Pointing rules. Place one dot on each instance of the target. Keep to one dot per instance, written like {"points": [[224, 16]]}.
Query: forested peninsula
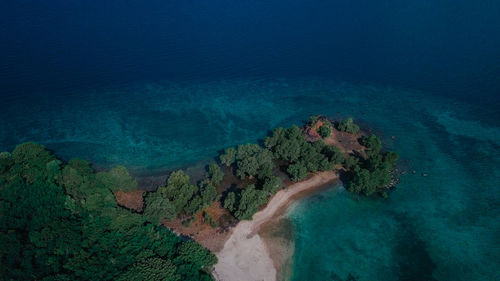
{"points": [[65, 221]]}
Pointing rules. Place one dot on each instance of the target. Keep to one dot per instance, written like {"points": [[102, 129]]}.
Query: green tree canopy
{"points": [[117, 179], [373, 145], [158, 208], [230, 201], [297, 171], [214, 173], [251, 200], [348, 126], [229, 156], [333, 154], [61, 222], [325, 131], [253, 160], [272, 185], [208, 192], [30, 161], [151, 269], [178, 190]]}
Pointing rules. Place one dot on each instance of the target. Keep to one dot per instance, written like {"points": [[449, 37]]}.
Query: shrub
{"points": [[117, 179], [158, 208], [228, 157], [313, 119], [324, 131], [214, 173], [207, 218], [253, 160], [187, 222], [297, 171], [272, 185], [333, 154], [208, 193], [230, 201], [348, 126], [350, 162], [250, 201]]}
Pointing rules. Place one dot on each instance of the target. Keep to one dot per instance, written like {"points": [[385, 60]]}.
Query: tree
{"points": [[324, 131], [348, 126], [253, 160], [230, 201], [350, 162], [178, 190], [297, 171], [272, 185], [291, 146], [158, 208], [361, 182], [151, 269], [250, 201], [313, 119], [373, 145], [391, 157], [207, 218], [5, 161], [194, 253], [333, 154], [30, 160], [194, 205], [310, 158], [208, 193], [117, 179], [228, 157], [373, 174], [286, 144], [214, 173], [60, 222]]}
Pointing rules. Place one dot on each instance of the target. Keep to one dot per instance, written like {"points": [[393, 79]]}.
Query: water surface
{"points": [[160, 85]]}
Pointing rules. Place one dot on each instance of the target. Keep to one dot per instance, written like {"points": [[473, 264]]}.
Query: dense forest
{"points": [[60, 221]]}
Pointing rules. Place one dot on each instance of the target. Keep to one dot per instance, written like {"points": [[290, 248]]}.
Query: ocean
{"points": [[162, 85]]}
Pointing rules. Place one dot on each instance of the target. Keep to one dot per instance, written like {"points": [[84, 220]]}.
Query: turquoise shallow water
{"points": [[86, 79], [440, 227], [444, 226]]}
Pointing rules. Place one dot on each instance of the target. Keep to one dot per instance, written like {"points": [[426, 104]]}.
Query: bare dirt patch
{"points": [[213, 238], [131, 199]]}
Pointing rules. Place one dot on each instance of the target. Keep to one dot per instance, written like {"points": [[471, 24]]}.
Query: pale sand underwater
{"points": [[245, 256]]}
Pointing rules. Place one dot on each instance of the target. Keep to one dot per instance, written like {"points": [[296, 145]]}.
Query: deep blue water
{"points": [[163, 84]]}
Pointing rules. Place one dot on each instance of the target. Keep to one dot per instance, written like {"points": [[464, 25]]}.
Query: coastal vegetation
{"points": [[348, 126], [287, 150], [214, 173], [60, 221], [373, 173]]}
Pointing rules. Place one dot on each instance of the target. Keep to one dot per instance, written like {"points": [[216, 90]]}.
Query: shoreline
{"points": [[245, 256]]}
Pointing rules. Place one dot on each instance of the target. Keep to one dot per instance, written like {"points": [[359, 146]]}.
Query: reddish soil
{"points": [[131, 199], [348, 143], [213, 238]]}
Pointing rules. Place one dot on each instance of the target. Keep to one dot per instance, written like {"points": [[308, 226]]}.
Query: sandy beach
{"points": [[245, 256]]}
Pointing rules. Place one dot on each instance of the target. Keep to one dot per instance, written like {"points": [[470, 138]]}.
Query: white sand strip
{"points": [[245, 256]]}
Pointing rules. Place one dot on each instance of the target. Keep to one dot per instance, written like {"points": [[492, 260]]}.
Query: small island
{"points": [[66, 221]]}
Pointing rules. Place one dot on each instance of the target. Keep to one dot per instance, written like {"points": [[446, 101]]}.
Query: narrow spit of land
{"points": [[245, 256], [245, 249]]}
